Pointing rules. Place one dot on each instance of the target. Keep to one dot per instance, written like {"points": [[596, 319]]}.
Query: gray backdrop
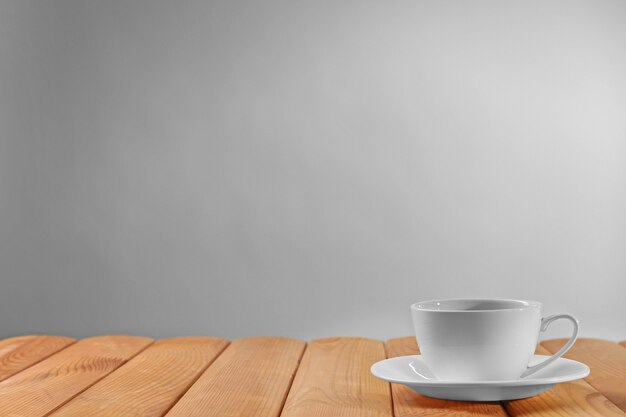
{"points": [[308, 168]]}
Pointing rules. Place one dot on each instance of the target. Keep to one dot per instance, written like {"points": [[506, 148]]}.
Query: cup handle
{"points": [[545, 322]]}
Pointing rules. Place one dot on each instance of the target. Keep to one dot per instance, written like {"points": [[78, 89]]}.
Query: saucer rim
{"points": [[584, 371]]}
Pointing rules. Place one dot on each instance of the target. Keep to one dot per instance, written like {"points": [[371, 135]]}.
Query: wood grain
{"points": [[607, 361], [334, 379], [43, 387], [408, 403], [18, 353], [576, 398], [149, 384], [250, 378]]}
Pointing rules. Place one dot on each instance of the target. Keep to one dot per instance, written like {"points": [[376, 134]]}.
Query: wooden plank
{"points": [[250, 378], [149, 384], [408, 403], [18, 353], [576, 398], [607, 361], [43, 387], [334, 379]]}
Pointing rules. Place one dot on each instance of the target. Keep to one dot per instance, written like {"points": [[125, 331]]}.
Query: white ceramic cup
{"points": [[482, 339]]}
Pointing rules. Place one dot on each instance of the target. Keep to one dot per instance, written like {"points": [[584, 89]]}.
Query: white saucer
{"points": [[412, 372]]}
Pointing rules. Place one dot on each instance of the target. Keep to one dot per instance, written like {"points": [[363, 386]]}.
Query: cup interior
{"points": [[474, 305]]}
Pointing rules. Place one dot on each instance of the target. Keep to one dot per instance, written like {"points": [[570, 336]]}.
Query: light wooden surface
{"points": [[131, 376], [150, 383], [251, 378], [18, 353], [334, 380], [408, 403], [576, 398], [607, 361], [43, 387]]}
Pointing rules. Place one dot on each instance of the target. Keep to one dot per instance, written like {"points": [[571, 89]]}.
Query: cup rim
{"points": [[522, 305]]}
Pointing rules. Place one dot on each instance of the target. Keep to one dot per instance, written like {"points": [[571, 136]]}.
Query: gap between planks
{"points": [[159, 376], [334, 379], [47, 385], [607, 361], [22, 352], [251, 377], [575, 398]]}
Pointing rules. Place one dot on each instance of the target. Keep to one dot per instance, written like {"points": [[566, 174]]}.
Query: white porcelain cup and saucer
{"points": [[481, 350]]}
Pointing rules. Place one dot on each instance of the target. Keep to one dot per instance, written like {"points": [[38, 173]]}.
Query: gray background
{"points": [[308, 168]]}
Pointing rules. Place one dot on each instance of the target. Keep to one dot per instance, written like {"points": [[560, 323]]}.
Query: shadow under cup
{"points": [[477, 340]]}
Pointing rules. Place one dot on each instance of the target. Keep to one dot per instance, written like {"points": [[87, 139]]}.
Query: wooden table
{"points": [[263, 377]]}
